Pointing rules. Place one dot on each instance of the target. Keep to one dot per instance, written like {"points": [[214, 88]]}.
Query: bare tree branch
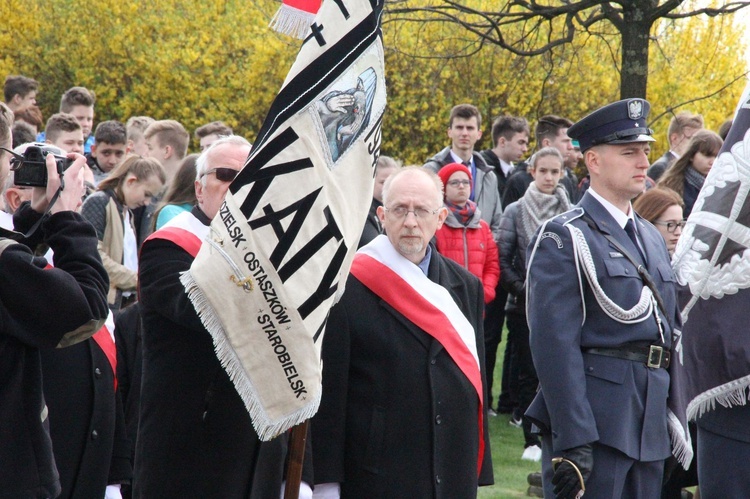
{"points": [[543, 27], [672, 109]]}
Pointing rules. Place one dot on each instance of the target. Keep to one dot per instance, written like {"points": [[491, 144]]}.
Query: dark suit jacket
{"points": [[87, 424], [39, 309], [129, 335], [372, 227], [520, 180], [657, 169], [492, 160], [587, 398], [397, 417]]}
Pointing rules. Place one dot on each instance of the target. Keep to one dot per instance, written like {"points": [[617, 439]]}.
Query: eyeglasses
{"points": [[223, 173], [672, 226], [457, 183], [402, 212]]}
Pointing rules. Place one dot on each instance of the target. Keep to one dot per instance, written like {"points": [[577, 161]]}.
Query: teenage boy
{"points": [[79, 102], [20, 92], [64, 131], [136, 127], [210, 133], [166, 141], [464, 130], [109, 149]]}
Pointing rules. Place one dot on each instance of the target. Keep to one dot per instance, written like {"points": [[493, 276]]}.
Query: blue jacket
{"points": [[586, 398]]}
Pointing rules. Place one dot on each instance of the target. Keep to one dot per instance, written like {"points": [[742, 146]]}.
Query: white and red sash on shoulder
{"points": [[427, 305], [185, 230]]}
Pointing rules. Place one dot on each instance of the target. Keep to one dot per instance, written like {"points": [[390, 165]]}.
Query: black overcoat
{"points": [[397, 417], [87, 423], [41, 308]]}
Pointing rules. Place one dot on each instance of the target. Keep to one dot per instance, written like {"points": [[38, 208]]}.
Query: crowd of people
{"points": [[138, 405]]}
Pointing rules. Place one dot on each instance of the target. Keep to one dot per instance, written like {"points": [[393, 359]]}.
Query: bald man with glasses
{"points": [[403, 411]]}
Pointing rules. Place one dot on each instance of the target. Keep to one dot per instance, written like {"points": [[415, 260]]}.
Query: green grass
{"points": [[507, 446], [510, 470]]}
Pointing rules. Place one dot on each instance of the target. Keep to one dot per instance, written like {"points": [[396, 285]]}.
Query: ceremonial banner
{"points": [[279, 250], [712, 264]]}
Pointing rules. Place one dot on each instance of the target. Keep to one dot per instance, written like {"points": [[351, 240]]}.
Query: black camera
{"points": [[30, 170]]}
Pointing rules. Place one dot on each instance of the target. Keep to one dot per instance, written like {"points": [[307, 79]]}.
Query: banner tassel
{"points": [[232, 365], [734, 393], [682, 446], [294, 17]]}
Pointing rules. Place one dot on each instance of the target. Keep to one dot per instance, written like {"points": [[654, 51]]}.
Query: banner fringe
{"points": [[682, 445], [264, 427], [291, 21], [729, 394]]}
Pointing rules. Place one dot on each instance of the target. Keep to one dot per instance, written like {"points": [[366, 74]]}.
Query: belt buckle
{"points": [[655, 354]]}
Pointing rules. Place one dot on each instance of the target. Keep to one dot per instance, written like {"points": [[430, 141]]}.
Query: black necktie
{"points": [[630, 229], [467, 164]]}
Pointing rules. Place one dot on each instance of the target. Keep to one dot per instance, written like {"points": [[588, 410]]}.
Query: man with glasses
{"points": [[403, 409], [195, 437]]}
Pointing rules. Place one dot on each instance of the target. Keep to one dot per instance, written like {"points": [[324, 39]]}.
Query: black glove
{"points": [[571, 472], [519, 289]]}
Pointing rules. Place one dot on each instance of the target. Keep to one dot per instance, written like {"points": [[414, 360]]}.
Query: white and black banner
{"points": [[711, 358], [279, 251]]}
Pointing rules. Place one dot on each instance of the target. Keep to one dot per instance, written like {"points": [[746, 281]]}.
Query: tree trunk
{"points": [[635, 31]]}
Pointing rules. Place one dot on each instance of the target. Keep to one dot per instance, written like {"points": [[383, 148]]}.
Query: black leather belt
{"points": [[653, 356]]}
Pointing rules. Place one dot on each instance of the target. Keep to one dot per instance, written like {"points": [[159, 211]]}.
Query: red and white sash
{"points": [[105, 338], [185, 230], [425, 303]]}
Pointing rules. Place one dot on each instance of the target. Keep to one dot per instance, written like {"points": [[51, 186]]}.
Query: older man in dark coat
{"points": [[195, 437], [402, 411]]}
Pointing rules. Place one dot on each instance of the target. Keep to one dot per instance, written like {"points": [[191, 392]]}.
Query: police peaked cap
{"points": [[621, 122]]}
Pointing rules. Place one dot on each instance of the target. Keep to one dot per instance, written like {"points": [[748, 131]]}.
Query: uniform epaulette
{"points": [[569, 216]]}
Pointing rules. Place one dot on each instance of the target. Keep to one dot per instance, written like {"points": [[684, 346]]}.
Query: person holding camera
{"points": [[42, 308]]}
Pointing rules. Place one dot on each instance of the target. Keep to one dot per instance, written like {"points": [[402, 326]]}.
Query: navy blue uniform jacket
{"points": [[588, 398]]}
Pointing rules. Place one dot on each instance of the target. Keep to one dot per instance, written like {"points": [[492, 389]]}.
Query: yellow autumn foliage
{"points": [[202, 61]]}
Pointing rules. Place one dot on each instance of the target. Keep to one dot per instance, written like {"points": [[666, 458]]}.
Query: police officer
{"points": [[601, 309]]}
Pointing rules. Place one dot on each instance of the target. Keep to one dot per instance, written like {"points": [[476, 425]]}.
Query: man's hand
{"points": [[70, 198], [571, 472]]}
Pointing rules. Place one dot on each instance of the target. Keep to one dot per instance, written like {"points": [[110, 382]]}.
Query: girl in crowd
{"points": [[464, 237], [181, 193], [687, 174], [131, 184], [544, 199], [663, 207]]}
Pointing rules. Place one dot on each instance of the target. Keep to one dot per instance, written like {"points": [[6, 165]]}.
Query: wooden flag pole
{"points": [[296, 459]]}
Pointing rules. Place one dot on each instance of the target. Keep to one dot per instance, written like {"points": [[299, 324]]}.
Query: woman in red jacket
{"points": [[464, 237]]}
